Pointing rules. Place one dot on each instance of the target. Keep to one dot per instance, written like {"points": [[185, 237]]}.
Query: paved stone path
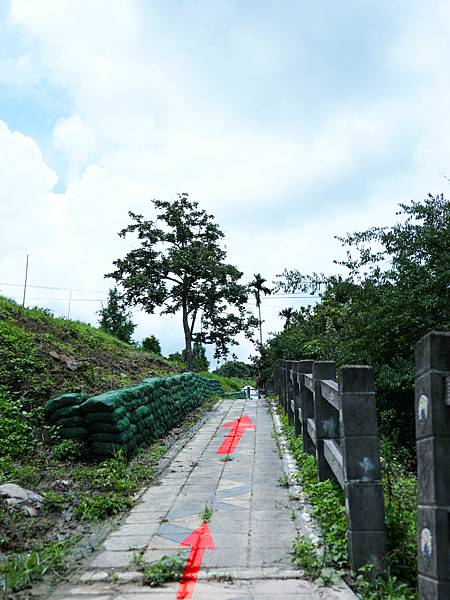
{"points": [[251, 523]]}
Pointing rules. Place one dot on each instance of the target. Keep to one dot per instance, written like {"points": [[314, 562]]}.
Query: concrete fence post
{"points": [[326, 417], [302, 366], [290, 396], [363, 491], [432, 403]]}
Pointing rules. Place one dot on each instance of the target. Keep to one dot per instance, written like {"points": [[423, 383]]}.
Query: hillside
{"points": [[42, 356]]}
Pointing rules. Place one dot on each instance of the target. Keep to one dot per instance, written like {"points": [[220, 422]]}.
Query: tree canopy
{"points": [[180, 267], [396, 290], [151, 344]]}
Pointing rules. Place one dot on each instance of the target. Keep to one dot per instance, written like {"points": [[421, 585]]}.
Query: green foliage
{"points": [[396, 290], [114, 319], [307, 556], [180, 266], [237, 369], [372, 586], [229, 384], [326, 498], [19, 571], [97, 508], [168, 568], [151, 344], [200, 362], [206, 514], [283, 480], [68, 450], [16, 431], [52, 502], [20, 365]]}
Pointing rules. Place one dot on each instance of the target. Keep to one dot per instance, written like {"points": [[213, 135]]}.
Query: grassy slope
{"points": [[40, 357]]}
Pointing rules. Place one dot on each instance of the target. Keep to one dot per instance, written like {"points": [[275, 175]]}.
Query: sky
{"points": [[291, 121]]}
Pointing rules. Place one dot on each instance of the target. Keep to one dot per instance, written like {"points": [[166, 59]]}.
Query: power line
{"points": [[62, 299], [59, 289]]}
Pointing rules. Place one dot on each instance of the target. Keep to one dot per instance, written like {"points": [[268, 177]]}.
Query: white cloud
{"points": [[145, 122], [76, 139]]}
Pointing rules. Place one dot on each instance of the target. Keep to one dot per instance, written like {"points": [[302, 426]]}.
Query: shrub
{"points": [[151, 344]]}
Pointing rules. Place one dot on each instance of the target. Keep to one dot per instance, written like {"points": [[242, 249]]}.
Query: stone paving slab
{"points": [[251, 524]]}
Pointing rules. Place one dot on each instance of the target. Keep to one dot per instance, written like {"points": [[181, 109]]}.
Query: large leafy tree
{"points": [[180, 267], [115, 319], [396, 290]]}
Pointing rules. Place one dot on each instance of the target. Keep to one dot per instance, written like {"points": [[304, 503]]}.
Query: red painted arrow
{"points": [[238, 428], [199, 540]]}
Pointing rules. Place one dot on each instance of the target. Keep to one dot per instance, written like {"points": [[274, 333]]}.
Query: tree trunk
{"points": [[260, 325], [187, 340]]}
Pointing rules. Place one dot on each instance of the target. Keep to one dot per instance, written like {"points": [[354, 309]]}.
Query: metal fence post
{"points": [[432, 393], [363, 491], [326, 417]]}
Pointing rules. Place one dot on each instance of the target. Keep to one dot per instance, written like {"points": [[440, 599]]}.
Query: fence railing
{"points": [[338, 424], [433, 464]]}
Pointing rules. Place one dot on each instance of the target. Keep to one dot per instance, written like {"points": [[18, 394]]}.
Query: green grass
{"points": [[20, 570], [229, 384], [168, 568]]}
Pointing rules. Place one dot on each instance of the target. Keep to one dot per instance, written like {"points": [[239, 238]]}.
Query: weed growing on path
{"points": [[206, 514], [315, 565], [226, 458], [168, 568], [283, 480]]}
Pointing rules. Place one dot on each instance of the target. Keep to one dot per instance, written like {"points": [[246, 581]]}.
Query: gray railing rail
{"points": [[338, 424], [432, 393]]}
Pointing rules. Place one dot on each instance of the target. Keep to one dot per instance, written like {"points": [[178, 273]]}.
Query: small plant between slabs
{"points": [[226, 458], [283, 480], [315, 567], [206, 514], [167, 568]]}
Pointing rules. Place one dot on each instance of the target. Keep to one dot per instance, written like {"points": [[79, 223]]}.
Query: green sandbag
{"points": [[64, 413], [142, 412], [116, 427], [74, 433], [106, 417], [106, 449], [71, 422], [62, 401], [107, 402], [117, 438]]}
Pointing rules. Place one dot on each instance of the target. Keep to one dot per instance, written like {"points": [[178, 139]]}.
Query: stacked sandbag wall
{"points": [[128, 417], [65, 413]]}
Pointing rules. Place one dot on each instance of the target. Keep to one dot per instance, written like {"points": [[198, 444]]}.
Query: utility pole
{"points": [[25, 284], [70, 302]]}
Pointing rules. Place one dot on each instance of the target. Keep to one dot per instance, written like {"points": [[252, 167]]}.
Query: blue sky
{"points": [[292, 122]]}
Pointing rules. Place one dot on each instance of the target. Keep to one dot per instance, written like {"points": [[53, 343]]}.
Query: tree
{"points": [[180, 267], [236, 368], [151, 344], [396, 291], [287, 313], [200, 362], [257, 286], [114, 319]]}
